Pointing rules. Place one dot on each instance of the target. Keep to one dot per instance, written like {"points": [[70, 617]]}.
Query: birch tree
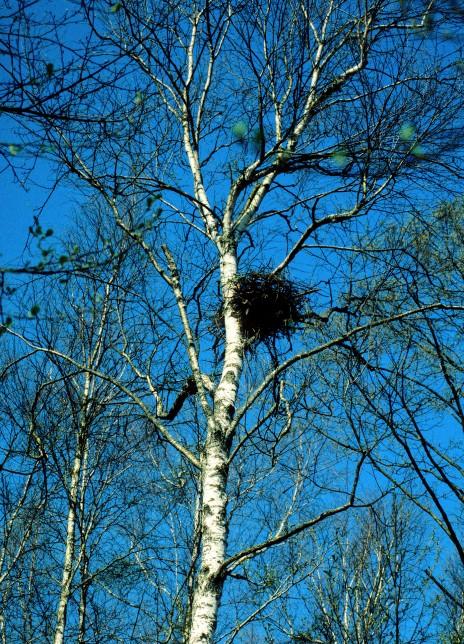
{"points": [[237, 147], [24, 490], [85, 546], [453, 622], [374, 588]]}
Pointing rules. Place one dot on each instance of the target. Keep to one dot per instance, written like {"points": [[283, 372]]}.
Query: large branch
{"points": [[253, 551], [304, 355]]}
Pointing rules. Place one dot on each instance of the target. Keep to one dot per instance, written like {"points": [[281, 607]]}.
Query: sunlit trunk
{"points": [[209, 585], [85, 584], [208, 589], [84, 558], [68, 563]]}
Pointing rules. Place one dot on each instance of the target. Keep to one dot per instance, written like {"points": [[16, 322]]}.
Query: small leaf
{"points": [[340, 158], [34, 311], [14, 149], [47, 148], [50, 69], [407, 131], [49, 232], [429, 22], [116, 7], [139, 98], [240, 130], [35, 231], [418, 151]]}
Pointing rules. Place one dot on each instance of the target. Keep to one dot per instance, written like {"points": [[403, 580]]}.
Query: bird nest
{"points": [[267, 306]]}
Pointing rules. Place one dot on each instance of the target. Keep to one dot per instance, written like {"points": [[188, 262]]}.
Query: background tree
{"points": [[257, 162], [453, 622], [372, 586]]}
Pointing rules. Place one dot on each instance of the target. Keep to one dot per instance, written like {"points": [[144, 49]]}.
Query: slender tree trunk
{"points": [[84, 559], [28, 599], [85, 584], [208, 589], [68, 563], [209, 584], [2, 627], [69, 555]]}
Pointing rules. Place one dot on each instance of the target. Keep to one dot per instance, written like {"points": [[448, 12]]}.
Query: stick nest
{"points": [[268, 306]]}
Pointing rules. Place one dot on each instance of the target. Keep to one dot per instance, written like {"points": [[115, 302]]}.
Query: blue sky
{"points": [[19, 205]]}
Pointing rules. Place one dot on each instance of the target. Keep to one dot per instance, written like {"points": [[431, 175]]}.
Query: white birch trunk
{"points": [[2, 628], [73, 496], [208, 588], [68, 562], [84, 560], [83, 600]]}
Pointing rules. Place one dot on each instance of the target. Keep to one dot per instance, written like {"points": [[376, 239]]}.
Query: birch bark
{"points": [[67, 575], [68, 563], [73, 496], [214, 474]]}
